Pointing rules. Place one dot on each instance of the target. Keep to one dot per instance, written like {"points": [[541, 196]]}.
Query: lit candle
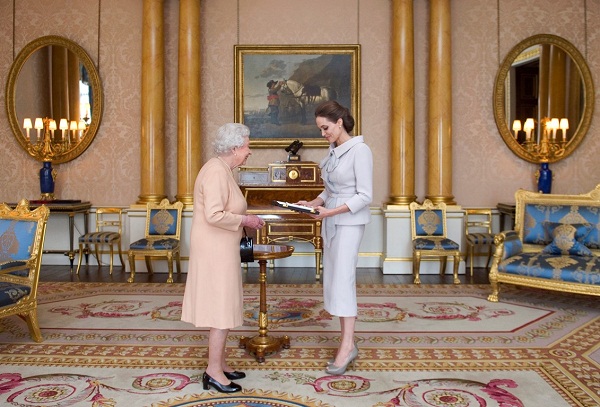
{"points": [[516, 128], [528, 126], [564, 126], [38, 125], [81, 126], [554, 127], [27, 125], [73, 128], [63, 125], [52, 127]]}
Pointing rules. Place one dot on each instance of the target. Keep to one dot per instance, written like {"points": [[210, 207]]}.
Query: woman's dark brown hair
{"points": [[332, 111]]}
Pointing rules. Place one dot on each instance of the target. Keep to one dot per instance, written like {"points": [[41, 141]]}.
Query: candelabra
{"points": [[48, 146], [546, 147]]}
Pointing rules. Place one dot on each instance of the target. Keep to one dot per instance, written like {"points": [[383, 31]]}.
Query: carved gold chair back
{"points": [[22, 233], [163, 229], [428, 230]]}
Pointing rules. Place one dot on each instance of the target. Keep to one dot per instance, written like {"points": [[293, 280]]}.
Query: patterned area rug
{"points": [[118, 344]]}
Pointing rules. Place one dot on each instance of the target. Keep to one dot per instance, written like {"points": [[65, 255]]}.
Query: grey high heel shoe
{"points": [[332, 360], [340, 370]]}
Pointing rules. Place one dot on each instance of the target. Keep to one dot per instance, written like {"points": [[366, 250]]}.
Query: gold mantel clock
{"points": [[299, 172]]}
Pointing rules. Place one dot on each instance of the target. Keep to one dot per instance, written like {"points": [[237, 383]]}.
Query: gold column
{"points": [[74, 94], [576, 96], [60, 83], [543, 87], [188, 102], [439, 180], [558, 78], [153, 104], [402, 159]]}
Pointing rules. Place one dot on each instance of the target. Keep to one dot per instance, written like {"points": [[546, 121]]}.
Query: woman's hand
{"points": [[323, 212], [327, 212], [253, 222]]}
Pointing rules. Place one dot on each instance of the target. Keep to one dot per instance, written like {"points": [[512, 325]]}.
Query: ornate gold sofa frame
{"points": [[22, 235], [555, 244]]}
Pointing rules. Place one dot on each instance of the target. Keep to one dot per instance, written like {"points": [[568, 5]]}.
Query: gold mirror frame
{"points": [[11, 97], [500, 96]]}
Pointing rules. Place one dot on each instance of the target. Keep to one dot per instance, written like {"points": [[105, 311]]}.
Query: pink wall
{"points": [[485, 171]]}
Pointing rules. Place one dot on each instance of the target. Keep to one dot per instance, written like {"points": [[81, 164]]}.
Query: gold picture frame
{"points": [[301, 76]]}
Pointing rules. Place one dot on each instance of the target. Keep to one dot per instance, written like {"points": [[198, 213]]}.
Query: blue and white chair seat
{"points": [[424, 243], [155, 244], [11, 293]]}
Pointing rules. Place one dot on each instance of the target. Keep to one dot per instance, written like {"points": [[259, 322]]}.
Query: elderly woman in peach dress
{"points": [[213, 295]]}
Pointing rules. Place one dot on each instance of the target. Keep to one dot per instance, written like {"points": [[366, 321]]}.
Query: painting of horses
{"points": [[278, 87]]}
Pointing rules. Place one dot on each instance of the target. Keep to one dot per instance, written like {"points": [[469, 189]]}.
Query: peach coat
{"points": [[213, 296]]}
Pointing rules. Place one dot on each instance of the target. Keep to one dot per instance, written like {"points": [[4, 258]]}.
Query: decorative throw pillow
{"points": [[567, 238]]}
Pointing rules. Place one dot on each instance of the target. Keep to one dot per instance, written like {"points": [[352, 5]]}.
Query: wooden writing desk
{"points": [[282, 225], [506, 209]]}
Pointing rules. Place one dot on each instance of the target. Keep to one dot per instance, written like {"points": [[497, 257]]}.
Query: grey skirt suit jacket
{"points": [[347, 174]]}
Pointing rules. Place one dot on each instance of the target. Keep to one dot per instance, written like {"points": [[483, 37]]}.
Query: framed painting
{"points": [[277, 88]]}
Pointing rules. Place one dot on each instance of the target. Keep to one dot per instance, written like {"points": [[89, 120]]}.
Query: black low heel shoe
{"points": [[235, 375], [208, 381]]}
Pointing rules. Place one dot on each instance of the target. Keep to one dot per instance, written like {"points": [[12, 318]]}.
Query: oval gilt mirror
{"points": [[54, 99], [543, 98]]}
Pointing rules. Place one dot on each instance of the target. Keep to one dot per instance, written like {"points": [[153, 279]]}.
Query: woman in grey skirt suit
{"points": [[347, 173]]}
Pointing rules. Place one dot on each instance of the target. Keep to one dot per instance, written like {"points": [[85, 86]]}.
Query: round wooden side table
{"points": [[263, 343]]}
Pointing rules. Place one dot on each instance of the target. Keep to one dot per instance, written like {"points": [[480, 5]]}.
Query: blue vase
{"points": [[544, 179], [47, 175]]}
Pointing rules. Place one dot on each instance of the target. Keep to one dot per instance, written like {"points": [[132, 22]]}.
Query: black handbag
{"points": [[246, 248]]}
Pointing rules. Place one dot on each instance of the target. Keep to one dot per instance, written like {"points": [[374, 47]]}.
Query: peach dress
{"points": [[213, 296]]}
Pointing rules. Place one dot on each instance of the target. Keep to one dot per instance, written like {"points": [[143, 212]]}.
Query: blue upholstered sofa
{"points": [[555, 244]]}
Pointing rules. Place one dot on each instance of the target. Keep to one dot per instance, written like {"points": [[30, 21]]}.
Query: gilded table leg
{"points": [[318, 255], [170, 267], [71, 252]]}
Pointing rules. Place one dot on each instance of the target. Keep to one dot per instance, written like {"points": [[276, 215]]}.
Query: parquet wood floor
{"points": [[280, 275]]}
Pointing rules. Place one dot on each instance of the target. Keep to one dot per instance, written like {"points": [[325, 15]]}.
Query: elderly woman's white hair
{"points": [[230, 136]]}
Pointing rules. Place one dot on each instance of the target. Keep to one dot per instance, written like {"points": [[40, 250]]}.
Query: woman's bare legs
{"points": [[347, 325], [216, 355]]}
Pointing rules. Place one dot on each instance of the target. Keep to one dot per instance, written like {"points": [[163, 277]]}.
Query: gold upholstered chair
{"points": [[428, 230], [163, 229], [22, 233], [478, 234], [109, 227]]}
